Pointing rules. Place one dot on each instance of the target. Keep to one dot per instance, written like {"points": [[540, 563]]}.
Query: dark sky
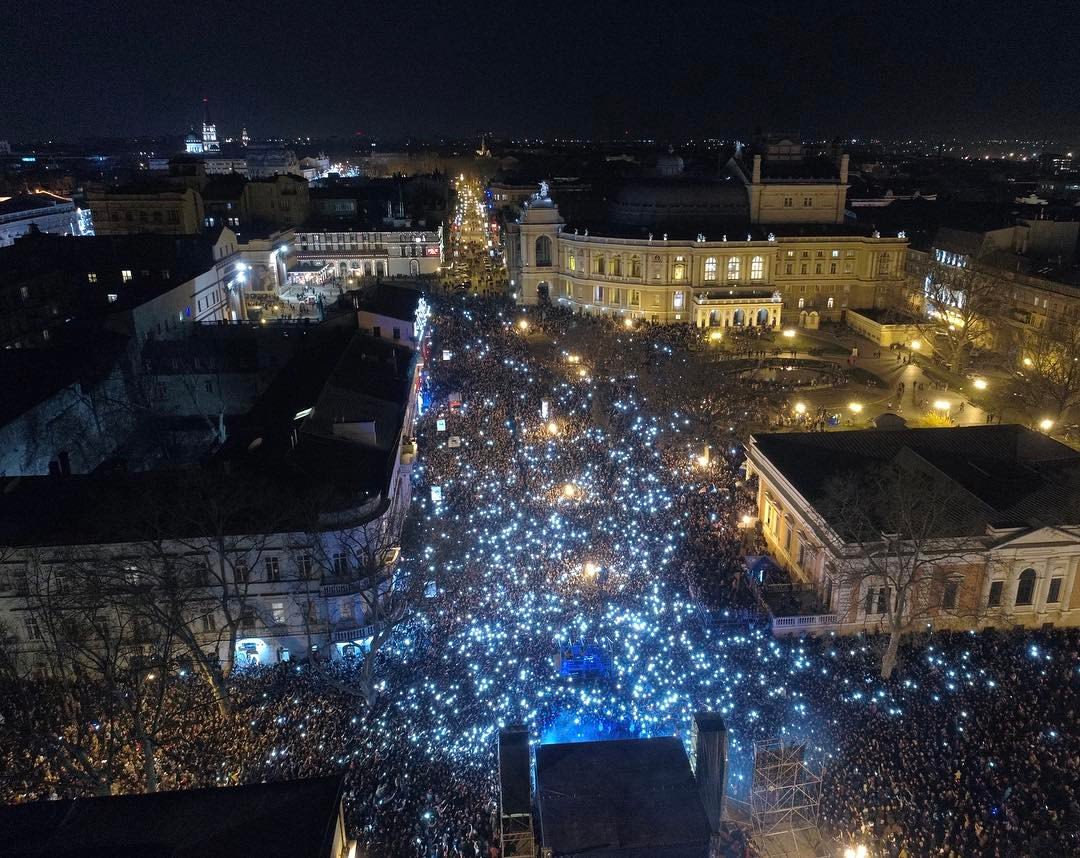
{"points": [[951, 67]]}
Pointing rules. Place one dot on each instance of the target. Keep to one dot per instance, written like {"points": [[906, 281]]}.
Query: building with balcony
{"points": [[360, 252], [756, 276], [1013, 547]]}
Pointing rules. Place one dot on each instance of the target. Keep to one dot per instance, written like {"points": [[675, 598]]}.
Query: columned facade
{"points": [[775, 280]]}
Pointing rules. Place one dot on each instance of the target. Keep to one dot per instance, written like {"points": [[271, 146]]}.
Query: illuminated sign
{"points": [[431, 250]]}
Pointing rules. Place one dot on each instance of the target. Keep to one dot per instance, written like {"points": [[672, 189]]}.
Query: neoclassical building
{"points": [[764, 275]]}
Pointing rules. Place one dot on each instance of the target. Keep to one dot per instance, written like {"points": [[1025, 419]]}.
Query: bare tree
{"points": [[1050, 383], [957, 307], [908, 548], [363, 561]]}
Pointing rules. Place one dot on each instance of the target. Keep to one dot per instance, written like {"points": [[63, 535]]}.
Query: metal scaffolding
{"points": [[785, 795]]}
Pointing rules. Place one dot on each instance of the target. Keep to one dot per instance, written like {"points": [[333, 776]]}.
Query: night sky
{"points": [[72, 68]]}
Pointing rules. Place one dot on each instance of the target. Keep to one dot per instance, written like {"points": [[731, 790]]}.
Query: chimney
{"points": [[710, 749], [756, 177], [844, 159]]}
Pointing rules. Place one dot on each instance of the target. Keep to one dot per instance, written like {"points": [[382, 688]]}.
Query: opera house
{"points": [[766, 241]]}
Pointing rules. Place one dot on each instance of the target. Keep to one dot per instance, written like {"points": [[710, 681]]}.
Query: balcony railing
{"points": [[343, 588], [356, 634], [809, 622]]}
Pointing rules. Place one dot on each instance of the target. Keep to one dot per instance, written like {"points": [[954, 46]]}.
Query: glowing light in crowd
{"points": [[980, 384], [553, 428], [800, 408], [942, 404], [789, 332], [569, 490]]}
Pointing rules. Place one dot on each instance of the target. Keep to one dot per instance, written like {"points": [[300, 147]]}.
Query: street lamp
{"points": [[916, 345], [980, 384], [789, 332], [1046, 424], [800, 408], [859, 851], [628, 322], [523, 324], [942, 404]]}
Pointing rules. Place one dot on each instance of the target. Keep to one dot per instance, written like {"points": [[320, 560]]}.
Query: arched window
{"points": [[757, 268], [599, 265], [829, 303], [679, 271], [571, 262], [635, 266], [802, 303], [1025, 588], [710, 268], [543, 251], [733, 268], [616, 266]]}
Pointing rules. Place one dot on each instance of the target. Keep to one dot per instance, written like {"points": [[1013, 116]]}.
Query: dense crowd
{"points": [[577, 503]]}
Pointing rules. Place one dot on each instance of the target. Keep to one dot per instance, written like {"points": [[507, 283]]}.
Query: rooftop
{"points": [[290, 819], [631, 798], [1012, 476]]}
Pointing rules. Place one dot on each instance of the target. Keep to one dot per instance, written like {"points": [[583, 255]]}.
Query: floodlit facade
{"points": [[723, 281], [1013, 570], [382, 253]]}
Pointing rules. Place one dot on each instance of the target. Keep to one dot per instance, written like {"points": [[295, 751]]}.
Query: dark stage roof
{"points": [[631, 798], [291, 819]]}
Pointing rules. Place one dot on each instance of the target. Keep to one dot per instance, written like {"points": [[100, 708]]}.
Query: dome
{"points": [[192, 138], [646, 202]]}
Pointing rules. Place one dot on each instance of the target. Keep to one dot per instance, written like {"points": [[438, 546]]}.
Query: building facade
{"points": [[165, 211], [1007, 571], [736, 281], [382, 253]]}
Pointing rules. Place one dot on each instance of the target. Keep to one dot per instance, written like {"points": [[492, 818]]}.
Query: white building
{"points": [[48, 212], [381, 253]]}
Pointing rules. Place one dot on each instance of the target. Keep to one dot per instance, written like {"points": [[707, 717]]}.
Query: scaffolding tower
{"points": [[785, 794]]}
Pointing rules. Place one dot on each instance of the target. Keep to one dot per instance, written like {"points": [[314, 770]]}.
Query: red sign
{"points": [[431, 251]]}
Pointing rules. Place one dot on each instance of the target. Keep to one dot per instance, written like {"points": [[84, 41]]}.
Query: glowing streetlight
{"points": [[800, 408], [553, 428], [628, 322], [1028, 361], [716, 336], [747, 520], [1046, 424], [523, 324], [856, 851], [583, 372], [789, 332], [916, 345], [703, 461], [855, 407], [980, 384]]}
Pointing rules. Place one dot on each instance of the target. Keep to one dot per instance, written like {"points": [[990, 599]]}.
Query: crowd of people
{"points": [[577, 501]]}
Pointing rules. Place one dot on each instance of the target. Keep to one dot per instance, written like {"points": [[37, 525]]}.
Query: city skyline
{"points": [[604, 71]]}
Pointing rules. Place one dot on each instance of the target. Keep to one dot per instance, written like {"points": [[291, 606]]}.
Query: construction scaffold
{"points": [[785, 794]]}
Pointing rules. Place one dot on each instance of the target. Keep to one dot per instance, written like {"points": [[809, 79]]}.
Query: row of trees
{"points": [[139, 637]]}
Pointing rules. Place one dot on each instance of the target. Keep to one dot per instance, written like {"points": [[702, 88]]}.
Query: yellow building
{"points": [[766, 276], [165, 211]]}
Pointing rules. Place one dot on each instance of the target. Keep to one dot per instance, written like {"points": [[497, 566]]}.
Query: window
{"points": [[789, 268], [802, 303], [678, 299], [877, 600], [848, 267], [571, 262], [273, 568], [804, 269], [240, 571], [543, 251], [91, 277], [710, 269], [616, 266], [635, 297], [397, 333], [817, 267], [830, 302], [209, 624], [733, 268], [994, 599], [1053, 595], [599, 265], [568, 290], [125, 275], [835, 254], [164, 273], [598, 294], [112, 297], [635, 266], [1025, 588], [788, 202], [807, 202], [949, 594], [376, 331], [679, 271], [832, 267], [305, 565], [757, 268], [277, 611], [341, 564], [33, 630]]}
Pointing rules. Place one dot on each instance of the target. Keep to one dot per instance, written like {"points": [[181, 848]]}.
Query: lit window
{"points": [[616, 266], [125, 275], [733, 268], [757, 268], [836, 254], [571, 263], [710, 268], [679, 272], [635, 266], [112, 297], [91, 277], [829, 303], [278, 611], [678, 300]]}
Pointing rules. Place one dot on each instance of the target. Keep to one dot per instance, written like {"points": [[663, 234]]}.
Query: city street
{"points": [[474, 256]]}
